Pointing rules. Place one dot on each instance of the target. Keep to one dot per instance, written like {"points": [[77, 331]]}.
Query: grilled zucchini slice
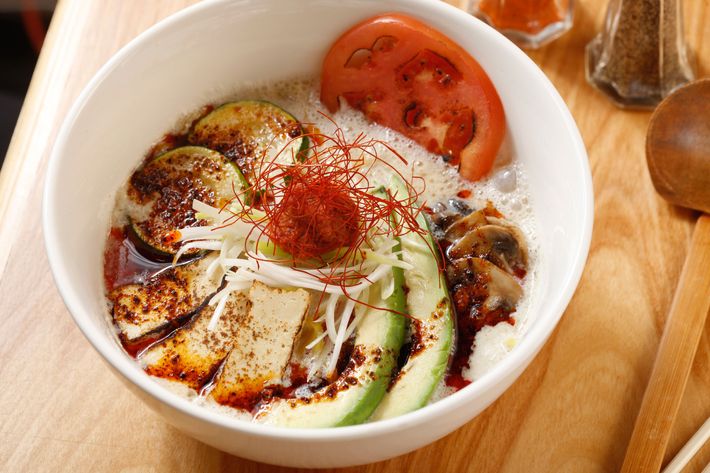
{"points": [[250, 132], [160, 194]]}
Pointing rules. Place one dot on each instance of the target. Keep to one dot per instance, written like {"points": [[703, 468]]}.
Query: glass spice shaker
{"points": [[528, 23], [640, 56]]}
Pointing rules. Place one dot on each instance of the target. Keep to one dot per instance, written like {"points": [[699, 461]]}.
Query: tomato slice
{"points": [[407, 76]]}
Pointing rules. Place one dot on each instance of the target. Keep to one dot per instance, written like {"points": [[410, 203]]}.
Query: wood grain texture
{"points": [[572, 410], [674, 360]]}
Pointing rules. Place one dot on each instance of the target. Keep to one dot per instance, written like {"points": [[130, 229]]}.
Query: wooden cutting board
{"points": [[573, 408]]}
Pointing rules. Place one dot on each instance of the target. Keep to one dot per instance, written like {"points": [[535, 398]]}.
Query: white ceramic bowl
{"points": [[203, 52]]}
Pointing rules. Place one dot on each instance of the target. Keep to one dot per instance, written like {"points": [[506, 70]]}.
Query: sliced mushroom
{"points": [[503, 290], [484, 281], [460, 227], [459, 271], [442, 216], [503, 246], [460, 206], [519, 237], [445, 214]]}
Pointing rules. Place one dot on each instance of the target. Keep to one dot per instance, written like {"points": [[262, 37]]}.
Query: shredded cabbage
{"points": [[240, 263]]}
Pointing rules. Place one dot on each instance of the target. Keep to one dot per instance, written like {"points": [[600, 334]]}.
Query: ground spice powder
{"points": [[640, 55]]}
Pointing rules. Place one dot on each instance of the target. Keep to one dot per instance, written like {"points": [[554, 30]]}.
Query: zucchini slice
{"points": [[161, 193], [250, 131]]}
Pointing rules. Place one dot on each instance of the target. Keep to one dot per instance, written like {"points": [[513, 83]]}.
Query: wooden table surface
{"points": [[572, 410]]}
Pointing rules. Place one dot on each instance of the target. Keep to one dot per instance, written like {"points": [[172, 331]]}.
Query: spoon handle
{"points": [[671, 369]]}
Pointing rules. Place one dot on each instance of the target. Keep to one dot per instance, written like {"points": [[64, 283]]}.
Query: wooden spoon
{"points": [[678, 153]]}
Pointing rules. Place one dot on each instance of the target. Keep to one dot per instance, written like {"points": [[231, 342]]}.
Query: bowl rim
{"points": [[516, 361]]}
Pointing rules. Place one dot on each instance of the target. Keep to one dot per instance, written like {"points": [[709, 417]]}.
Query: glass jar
{"points": [[640, 56], [528, 23]]}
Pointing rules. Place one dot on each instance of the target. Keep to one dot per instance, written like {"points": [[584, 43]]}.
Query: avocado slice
{"points": [[353, 397], [429, 305]]}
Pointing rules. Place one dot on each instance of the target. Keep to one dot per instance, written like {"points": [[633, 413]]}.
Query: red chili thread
{"points": [[323, 210]]}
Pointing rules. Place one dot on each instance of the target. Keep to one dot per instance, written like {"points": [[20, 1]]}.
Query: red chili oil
{"points": [[468, 326], [135, 348], [299, 377], [468, 298], [123, 263], [252, 397], [471, 316]]}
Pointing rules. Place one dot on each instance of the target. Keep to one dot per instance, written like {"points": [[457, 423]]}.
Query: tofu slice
{"points": [[263, 346], [168, 298], [192, 354]]}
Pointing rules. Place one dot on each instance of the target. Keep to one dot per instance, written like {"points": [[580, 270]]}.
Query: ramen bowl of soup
{"points": [[322, 233]]}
